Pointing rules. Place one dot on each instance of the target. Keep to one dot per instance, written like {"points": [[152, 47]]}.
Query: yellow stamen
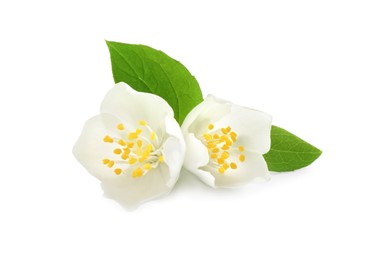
{"points": [[132, 136], [142, 158], [142, 122], [225, 155], [225, 165], [210, 126], [216, 136], [147, 166], [106, 161], [137, 172], [124, 156], [161, 159], [120, 126], [233, 136], [110, 164], [117, 171], [221, 170], [211, 145], [224, 138], [122, 142], [221, 160], [233, 165], [149, 147], [208, 137], [132, 160], [214, 156], [117, 151], [138, 131], [226, 130], [225, 147], [241, 148], [215, 150], [242, 158], [108, 139], [139, 143], [152, 136], [130, 144]]}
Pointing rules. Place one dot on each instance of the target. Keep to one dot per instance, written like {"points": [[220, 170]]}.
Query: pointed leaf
{"points": [[288, 152], [148, 70]]}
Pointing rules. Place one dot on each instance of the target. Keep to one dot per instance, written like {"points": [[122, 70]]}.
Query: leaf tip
{"points": [[319, 153], [108, 43]]}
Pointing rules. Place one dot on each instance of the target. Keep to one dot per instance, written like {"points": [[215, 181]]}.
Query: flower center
{"points": [[137, 152], [221, 144]]}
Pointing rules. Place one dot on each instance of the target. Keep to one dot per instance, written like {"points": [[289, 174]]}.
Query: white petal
{"points": [[208, 111], [253, 128], [173, 129], [130, 192], [196, 157], [90, 149], [132, 106], [173, 150], [254, 168]]}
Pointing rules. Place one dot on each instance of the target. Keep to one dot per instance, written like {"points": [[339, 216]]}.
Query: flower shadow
{"points": [[188, 182]]}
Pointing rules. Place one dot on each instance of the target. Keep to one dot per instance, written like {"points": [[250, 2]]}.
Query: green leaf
{"points": [[148, 70], [288, 152]]}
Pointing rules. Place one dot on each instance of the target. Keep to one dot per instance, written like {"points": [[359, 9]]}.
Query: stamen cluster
{"points": [[135, 152], [220, 144]]}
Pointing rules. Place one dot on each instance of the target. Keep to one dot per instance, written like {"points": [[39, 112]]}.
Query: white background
{"points": [[311, 64]]}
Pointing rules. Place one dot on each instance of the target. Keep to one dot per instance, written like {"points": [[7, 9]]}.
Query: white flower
{"points": [[134, 147], [225, 143]]}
